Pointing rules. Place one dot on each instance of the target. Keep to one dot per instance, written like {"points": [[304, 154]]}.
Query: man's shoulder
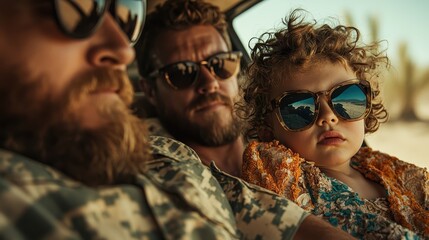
{"points": [[23, 170], [172, 199], [162, 144], [170, 148], [155, 128], [55, 205]]}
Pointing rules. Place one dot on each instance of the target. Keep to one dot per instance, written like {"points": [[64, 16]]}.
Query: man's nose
{"points": [[207, 82], [111, 46]]}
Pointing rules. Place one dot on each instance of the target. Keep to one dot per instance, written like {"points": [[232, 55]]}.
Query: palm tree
{"points": [[410, 86], [405, 82]]}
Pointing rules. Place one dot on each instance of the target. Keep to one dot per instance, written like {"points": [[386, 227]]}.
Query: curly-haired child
{"points": [[312, 95]]}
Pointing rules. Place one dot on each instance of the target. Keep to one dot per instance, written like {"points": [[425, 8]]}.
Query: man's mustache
{"points": [[102, 80], [23, 99], [202, 100]]}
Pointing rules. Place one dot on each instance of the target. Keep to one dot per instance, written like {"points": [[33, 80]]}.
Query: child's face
{"points": [[330, 142]]}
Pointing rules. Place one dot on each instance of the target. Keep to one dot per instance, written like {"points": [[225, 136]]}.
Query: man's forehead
{"points": [[192, 44]]}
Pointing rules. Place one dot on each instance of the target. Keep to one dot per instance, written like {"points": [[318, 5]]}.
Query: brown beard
{"points": [[210, 133], [44, 127]]}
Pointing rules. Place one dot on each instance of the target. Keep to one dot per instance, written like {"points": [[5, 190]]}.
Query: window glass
{"points": [[403, 24]]}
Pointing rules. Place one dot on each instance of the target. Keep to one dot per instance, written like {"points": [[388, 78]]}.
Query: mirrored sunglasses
{"points": [[181, 75], [298, 110], [80, 18]]}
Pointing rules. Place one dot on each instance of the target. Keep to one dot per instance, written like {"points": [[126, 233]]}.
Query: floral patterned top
{"points": [[403, 214]]}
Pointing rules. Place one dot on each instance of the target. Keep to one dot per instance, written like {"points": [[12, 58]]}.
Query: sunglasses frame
{"points": [[164, 73], [275, 103], [107, 7]]}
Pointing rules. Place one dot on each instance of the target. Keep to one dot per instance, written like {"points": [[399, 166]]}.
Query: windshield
{"points": [[405, 86]]}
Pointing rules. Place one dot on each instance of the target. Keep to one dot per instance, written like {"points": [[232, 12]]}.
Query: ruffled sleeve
{"points": [[275, 167]]}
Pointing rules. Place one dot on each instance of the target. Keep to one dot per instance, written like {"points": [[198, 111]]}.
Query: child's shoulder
{"points": [[368, 156], [375, 165]]}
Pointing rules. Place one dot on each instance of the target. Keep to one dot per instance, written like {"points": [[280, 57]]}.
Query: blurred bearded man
{"points": [[103, 141]]}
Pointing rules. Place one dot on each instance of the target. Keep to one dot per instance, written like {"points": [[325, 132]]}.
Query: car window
{"points": [[405, 86]]}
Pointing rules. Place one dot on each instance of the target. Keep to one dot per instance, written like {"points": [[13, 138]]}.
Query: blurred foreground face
{"points": [[32, 45], [64, 101], [203, 112]]}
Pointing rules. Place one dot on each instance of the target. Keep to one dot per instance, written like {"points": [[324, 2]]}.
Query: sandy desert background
{"points": [[406, 140]]}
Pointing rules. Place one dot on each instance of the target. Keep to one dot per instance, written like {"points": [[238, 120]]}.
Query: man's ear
{"points": [[148, 90]]}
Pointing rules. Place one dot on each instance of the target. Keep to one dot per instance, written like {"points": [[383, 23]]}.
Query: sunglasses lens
{"points": [[297, 110], [79, 17], [350, 101], [225, 65], [181, 75], [130, 17]]}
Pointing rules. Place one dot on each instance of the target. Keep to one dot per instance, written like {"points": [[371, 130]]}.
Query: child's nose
{"points": [[326, 114]]}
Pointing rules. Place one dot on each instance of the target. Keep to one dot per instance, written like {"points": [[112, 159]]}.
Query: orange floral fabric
{"points": [[407, 186], [275, 167]]}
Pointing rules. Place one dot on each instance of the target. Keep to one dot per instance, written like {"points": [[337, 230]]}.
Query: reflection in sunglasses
{"points": [[86, 6], [80, 18], [70, 15], [181, 75], [130, 17], [79, 15], [298, 110]]}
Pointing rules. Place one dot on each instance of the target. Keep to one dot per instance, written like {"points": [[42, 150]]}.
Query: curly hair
{"points": [[299, 45], [176, 15]]}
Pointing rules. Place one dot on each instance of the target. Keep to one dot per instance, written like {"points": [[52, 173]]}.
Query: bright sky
{"points": [[399, 20]]}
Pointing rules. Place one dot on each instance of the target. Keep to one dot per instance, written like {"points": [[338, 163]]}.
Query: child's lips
{"points": [[331, 138]]}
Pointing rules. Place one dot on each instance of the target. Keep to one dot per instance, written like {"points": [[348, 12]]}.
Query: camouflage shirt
{"points": [[258, 212], [37, 202], [177, 198]]}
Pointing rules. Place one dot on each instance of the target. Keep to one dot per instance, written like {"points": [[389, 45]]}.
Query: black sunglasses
{"points": [[80, 18], [298, 110], [181, 75]]}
